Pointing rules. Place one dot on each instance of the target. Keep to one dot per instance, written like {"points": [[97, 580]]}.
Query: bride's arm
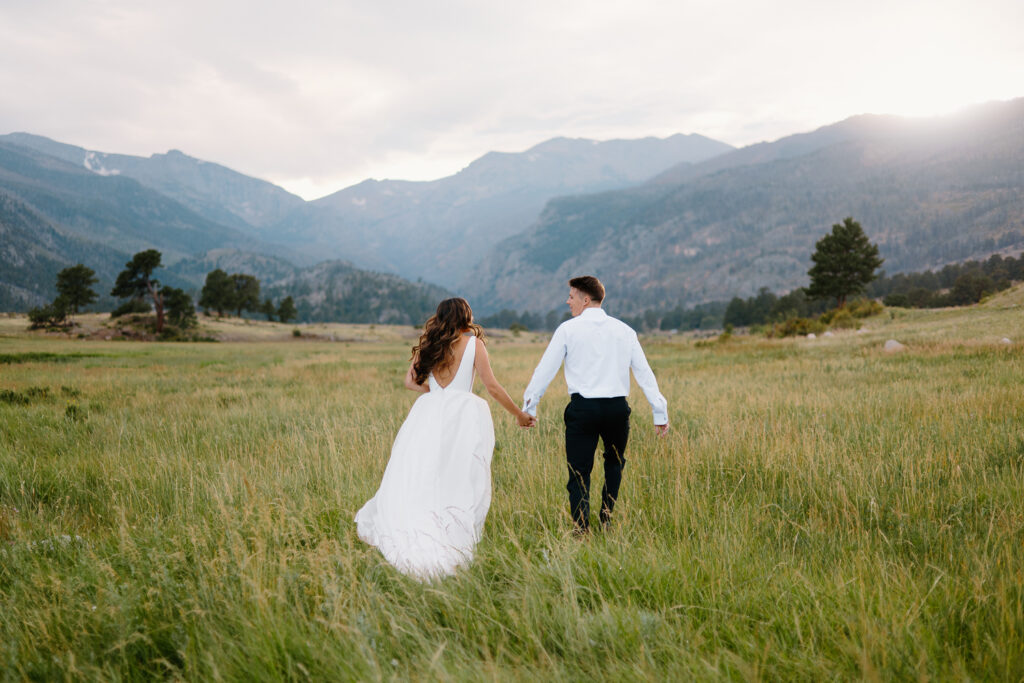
{"points": [[410, 381], [482, 363]]}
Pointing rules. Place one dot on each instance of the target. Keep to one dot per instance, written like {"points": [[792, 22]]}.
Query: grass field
{"points": [[821, 510]]}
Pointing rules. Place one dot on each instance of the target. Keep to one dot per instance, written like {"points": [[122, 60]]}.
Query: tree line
{"points": [[239, 292], [844, 265], [958, 284], [844, 260], [143, 293]]}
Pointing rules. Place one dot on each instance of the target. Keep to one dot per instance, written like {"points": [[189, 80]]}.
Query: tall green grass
{"points": [[820, 510]]}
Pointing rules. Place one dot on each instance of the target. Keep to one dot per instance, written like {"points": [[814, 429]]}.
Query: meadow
{"points": [[821, 510]]}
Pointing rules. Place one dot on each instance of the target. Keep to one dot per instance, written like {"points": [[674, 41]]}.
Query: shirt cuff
{"points": [[530, 408], [660, 417]]}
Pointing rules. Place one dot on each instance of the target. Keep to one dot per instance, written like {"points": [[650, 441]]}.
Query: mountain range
{"points": [[928, 192], [436, 230], [664, 222], [62, 200]]}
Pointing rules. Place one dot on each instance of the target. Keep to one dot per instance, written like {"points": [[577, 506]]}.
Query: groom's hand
{"points": [[526, 420], [661, 430]]}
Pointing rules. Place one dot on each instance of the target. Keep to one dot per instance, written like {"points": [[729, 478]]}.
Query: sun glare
{"points": [[926, 102]]}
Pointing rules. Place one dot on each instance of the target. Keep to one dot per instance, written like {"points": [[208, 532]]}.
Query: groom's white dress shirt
{"points": [[599, 351]]}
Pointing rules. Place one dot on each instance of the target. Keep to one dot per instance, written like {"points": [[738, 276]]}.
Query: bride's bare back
{"points": [[445, 375]]}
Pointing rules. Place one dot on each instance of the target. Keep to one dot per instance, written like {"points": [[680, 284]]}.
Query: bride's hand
{"points": [[525, 419]]}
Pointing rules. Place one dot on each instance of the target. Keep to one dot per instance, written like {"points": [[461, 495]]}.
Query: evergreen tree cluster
{"points": [[339, 292], [507, 319], [766, 307], [74, 290], [240, 292], [135, 283], [953, 285], [706, 316]]}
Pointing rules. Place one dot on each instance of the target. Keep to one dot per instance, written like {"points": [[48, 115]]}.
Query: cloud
{"points": [[319, 93]]}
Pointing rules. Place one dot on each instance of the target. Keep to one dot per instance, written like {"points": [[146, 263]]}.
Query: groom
{"points": [[599, 351]]}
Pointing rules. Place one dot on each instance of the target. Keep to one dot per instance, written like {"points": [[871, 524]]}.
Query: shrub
{"points": [[864, 308], [796, 326], [129, 307], [50, 315], [180, 311], [843, 320], [13, 397], [172, 333], [896, 299], [919, 297]]}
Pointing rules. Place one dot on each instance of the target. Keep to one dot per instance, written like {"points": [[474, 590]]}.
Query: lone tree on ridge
{"points": [[136, 281], [844, 263]]}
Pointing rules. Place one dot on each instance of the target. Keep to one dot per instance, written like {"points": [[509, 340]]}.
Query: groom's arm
{"points": [[545, 372], [645, 379]]}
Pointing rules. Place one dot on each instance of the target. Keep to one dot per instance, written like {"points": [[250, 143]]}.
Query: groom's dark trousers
{"points": [[586, 420]]}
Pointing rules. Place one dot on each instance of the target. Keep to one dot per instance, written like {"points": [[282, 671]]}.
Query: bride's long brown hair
{"points": [[443, 329]]}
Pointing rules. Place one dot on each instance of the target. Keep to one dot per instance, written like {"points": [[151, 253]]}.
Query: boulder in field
{"points": [[1006, 340], [893, 345], [812, 336]]}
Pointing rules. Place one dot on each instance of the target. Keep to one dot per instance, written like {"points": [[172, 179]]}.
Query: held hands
{"points": [[526, 420], [661, 430]]}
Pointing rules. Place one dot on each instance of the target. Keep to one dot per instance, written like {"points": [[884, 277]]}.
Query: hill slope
{"points": [[928, 192], [32, 252], [215, 192], [338, 291], [113, 210]]}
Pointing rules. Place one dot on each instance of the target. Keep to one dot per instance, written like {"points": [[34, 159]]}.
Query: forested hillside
{"points": [[338, 291], [32, 252], [928, 192], [110, 210]]}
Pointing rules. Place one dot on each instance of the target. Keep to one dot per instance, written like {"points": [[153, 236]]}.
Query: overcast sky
{"points": [[318, 95]]}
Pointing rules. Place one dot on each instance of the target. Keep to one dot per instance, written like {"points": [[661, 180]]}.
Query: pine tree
{"points": [[844, 263], [74, 287], [180, 309], [218, 292], [268, 309], [286, 311], [136, 281], [246, 293]]}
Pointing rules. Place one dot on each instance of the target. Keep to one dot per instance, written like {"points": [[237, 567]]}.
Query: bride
{"points": [[429, 511]]}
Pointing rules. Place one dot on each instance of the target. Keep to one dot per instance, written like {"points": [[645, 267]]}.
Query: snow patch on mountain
{"points": [[95, 164]]}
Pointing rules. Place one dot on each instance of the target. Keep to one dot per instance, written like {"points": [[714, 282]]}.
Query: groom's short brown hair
{"points": [[589, 285]]}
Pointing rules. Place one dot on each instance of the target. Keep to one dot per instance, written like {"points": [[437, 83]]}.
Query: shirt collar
{"points": [[593, 313]]}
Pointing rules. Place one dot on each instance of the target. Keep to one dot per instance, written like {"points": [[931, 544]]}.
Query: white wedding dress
{"points": [[429, 511]]}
